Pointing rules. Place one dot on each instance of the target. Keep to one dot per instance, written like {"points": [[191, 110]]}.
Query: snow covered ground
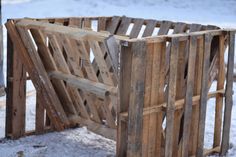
{"points": [[80, 142]]}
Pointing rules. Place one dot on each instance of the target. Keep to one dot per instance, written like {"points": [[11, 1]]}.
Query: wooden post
{"points": [[136, 100], [2, 86], [228, 95], [16, 93]]}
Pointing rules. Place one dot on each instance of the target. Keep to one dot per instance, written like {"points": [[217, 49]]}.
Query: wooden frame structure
{"points": [[146, 87]]}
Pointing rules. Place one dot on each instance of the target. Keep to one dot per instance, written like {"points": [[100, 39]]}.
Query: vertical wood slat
{"points": [[124, 93], [189, 94], [39, 116], [164, 27], [228, 94], [136, 100], [146, 143], [16, 93], [30, 65], [102, 23], [197, 90], [195, 109], [203, 94], [138, 23], [124, 25], [113, 24], [150, 26], [180, 91], [156, 98], [171, 98], [219, 98], [75, 22]]}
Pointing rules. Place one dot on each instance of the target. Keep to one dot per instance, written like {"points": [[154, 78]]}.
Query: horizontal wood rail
{"points": [[75, 33], [96, 88], [178, 104]]}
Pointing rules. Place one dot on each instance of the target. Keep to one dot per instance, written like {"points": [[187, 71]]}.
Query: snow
{"points": [[80, 141]]}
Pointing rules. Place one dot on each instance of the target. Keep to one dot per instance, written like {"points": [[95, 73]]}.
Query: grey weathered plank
{"points": [[189, 95], [124, 93], [136, 100], [124, 25], [138, 23], [203, 94], [150, 26], [113, 24], [171, 98], [228, 95], [219, 98]]}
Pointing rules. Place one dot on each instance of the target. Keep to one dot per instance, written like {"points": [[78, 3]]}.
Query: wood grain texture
{"points": [[228, 95], [204, 91], [136, 100], [171, 98]]}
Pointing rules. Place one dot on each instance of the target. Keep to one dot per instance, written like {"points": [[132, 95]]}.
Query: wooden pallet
{"points": [[147, 86]]}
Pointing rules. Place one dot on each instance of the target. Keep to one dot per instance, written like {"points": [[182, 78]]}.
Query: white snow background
{"points": [[80, 142]]}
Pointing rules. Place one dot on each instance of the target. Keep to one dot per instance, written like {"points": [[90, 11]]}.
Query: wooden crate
{"points": [[147, 87]]}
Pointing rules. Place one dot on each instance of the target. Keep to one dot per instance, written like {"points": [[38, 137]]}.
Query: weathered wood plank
{"points": [[102, 23], [124, 25], [204, 91], [16, 92], [171, 98], [39, 116], [136, 100], [150, 26], [228, 95], [75, 22], [219, 98], [113, 51], [124, 93], [113, 24], [138, 23], [157, 97], [164, 27], [96, 88], [189, 95], [146, 143]]}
